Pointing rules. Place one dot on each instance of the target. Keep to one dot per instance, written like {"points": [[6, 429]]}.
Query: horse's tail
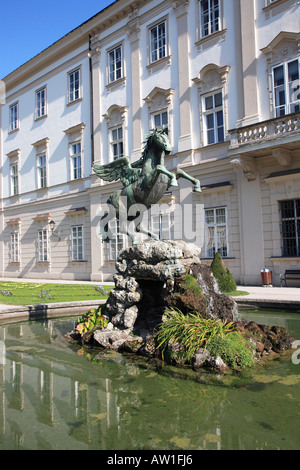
{"points": [[104, 227]]}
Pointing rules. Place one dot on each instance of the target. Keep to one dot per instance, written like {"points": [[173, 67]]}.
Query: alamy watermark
{"points": [[186, 220], [2, 353], [296, 354]]}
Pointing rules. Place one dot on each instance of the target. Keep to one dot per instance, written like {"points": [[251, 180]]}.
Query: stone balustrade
{"points": [[265, 131]]}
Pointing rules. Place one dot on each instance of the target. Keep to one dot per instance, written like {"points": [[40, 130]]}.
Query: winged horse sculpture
{"points": [[144, 183]]}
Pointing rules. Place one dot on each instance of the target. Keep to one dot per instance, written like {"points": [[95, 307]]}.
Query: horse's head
{"points": [[160, 139]]}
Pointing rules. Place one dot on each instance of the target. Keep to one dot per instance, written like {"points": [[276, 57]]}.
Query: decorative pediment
{"points": [[116, 115], [159, 98], [211, 77], [285, 46]]}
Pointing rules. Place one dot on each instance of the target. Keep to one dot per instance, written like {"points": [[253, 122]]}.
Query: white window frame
{"points": [[43, 245], [74, 93], [158, 46], [14, 179], [75, 157], [292, 99], [117, 142], [14, 117], [214, 112], [210, 28], [115, 73], [77, 243], [117, 240], [15, 247], [161, 226], [41, 167], [41, 103], [213, 241], [162, 117]]}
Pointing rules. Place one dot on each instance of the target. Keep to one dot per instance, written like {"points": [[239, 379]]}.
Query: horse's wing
{"points": [[114, 171]]}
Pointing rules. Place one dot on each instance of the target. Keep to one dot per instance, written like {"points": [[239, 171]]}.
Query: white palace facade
{"points": [[223, 75]]}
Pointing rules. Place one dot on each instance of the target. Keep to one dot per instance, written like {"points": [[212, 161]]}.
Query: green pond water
{"points": [[55, 395]]}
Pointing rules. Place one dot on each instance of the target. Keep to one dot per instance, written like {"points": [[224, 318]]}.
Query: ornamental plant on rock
{"points": [[90, 320], [188, 333]]}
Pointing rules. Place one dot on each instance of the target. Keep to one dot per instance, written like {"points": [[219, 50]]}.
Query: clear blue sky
{"points": [[30, 26]]}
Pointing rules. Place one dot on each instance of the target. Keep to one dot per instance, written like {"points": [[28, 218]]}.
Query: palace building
{"points": [[223, 76]]}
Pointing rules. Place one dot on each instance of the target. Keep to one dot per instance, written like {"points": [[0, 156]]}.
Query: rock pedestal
{"points": [[150, 278], [157, 275]]}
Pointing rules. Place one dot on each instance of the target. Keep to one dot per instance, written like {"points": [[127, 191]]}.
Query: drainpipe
{"points": [[91, 105]]}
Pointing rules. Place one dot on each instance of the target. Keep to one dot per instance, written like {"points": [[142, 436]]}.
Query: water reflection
{"points": [[54, 395]]}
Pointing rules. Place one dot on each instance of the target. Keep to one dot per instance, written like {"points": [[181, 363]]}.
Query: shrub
{"points": [[191, 331], [222, 274], [234, 349], [93, 318]]}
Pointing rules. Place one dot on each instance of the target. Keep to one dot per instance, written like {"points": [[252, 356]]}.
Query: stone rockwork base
{"points": [[154, 276], [148, 280]]}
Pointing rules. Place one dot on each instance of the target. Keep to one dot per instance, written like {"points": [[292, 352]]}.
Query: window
{"points": [[213, 117], [216, 232], [290, 227], [43, 245], [209, 17], [286, 88], [41, 171], [117, 240], [41, 102], [115, 64], [158, 42], [74, 85], [160, 119], [77, 243], [14, 247], [14, 117], [161, 226], [117, 143], [14, 179], [76, 171]]}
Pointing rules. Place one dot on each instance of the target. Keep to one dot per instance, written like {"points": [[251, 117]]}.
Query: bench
{"points": [[289, 274]]}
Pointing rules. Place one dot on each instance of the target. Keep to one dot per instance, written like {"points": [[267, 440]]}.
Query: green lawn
{"points": [[236, 293], [30, 293]]}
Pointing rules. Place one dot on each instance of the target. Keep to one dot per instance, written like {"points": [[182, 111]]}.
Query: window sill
{"points": [[116, 84], [70, 103], [73, 261], [41, 118], [284, 258], [278, 6], [159, 64], [216, 144], [14, 131], [211, 40], [15, 263], [43, 263], [77, 180]]}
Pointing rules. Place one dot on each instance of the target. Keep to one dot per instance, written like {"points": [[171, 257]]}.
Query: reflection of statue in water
{"points": [[144, 182]]}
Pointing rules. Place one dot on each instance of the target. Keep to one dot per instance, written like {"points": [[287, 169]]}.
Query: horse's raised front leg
{"points": [[172, 176], [181, 174]]}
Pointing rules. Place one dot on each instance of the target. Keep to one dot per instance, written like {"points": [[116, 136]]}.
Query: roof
{"points": [[65, 36]]}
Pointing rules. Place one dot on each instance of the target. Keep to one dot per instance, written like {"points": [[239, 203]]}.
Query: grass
{"points": [[236, 293], [190, 331], [32, 293]]}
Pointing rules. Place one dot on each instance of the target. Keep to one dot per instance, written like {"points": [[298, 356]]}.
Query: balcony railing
{"points": [[261, 132]]}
